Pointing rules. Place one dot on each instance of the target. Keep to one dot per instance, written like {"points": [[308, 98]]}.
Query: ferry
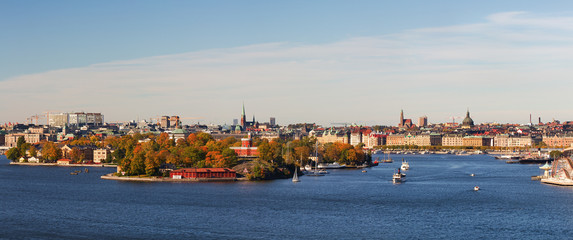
{"points": [[405, 165]]}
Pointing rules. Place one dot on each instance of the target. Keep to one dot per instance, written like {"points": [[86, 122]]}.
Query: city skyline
{"points": [[350, 64]]}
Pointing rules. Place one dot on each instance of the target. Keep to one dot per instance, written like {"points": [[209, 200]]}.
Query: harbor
{"points": [[346, 203]]}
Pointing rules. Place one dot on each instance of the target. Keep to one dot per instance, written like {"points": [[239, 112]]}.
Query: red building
{"points": [[246, 149], [203, 173]]}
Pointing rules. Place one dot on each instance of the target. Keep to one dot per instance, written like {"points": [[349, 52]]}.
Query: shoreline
{"points": [[61, 165], [166, 179]]}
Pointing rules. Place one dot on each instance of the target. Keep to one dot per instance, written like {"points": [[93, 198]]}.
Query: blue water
{"points": [[436, 202]]}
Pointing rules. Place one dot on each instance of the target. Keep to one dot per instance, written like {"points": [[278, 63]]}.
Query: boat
{"points": [[507, 157], [476, 188], [398, 177], [86, 170], [73, 173], [405, 165], [333, 165], [316, 172], [364, 171], [295, 175], [387, 160]]}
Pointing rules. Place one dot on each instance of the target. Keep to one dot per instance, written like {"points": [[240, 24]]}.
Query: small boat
{"points": [[73, 173], [387, 160], [405, 165], [86, 170], [308, 168], [476, 188], [473, 175], [333, 165], [364, 170], [398, 177], [295, 175]]}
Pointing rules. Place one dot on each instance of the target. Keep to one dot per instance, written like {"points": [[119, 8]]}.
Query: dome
{"points": [[468, 122]]}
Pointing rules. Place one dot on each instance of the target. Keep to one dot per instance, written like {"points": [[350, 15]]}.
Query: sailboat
{"points": [[316, 172], [388, 160], [295, 175]]}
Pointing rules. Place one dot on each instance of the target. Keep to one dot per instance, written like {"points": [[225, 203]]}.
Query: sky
{"points": [[298, 61]]}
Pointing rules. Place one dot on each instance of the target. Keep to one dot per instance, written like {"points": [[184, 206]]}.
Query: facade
{"points": [[203, 173], [77, 119], [554, 141], [452, 140], [396, 140], [64, 162], [507, 141], [11, 140], [246, 149], [355, 138], [477, 141], [100, 155], [424, 140], [86, 153], [332, 136]]}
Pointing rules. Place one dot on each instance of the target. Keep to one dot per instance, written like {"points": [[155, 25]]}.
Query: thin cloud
{"points": [[509, 62]]}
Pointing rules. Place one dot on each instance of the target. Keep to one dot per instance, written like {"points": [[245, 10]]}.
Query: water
{"points": [[436, 202]]}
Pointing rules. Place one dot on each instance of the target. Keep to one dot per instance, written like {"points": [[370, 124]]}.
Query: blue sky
{"points": [[299, 61]]}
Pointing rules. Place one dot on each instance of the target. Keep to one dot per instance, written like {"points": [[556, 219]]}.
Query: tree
{"points": [[51, 152], [13, 154]]}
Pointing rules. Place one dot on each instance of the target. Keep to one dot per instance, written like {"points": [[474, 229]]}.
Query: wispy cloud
{"points": [[510, 64]]}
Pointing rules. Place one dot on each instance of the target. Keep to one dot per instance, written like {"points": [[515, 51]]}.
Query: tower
{"points": [[243, 118], [401, 118]]}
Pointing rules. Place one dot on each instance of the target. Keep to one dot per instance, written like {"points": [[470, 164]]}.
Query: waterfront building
{"points": [[424, 140], [85, 153], [209, 173], [504, 140], [477, 141], [452, 140], [100, 155], [561, 170], [558, 141], [64, 162], [246, 149], [374, 139], [396, 140]]}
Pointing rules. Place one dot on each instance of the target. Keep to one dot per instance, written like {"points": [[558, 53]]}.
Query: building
{"points": [[477, 141], [396, 140], [203, 173], [355, 137], [178, 133], [424, 140], [244, 123], [100, 155], [505, 140], [423, 121], [246, 149], [468, 121], [452, 140], [405, 123], [273, 121], [553, 141], [64, 162], [77, 119], [85, 153], [11, 140], [333, 136]]}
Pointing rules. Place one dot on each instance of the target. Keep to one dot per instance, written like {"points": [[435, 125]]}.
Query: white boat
{"points": [[334, 165], [308, 168], [295, 175], [405, 165], [476, 188], [398, 177]]}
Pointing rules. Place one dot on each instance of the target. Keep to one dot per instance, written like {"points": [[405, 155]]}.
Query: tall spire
{"points": [[243, 109], [468, 113], [401, 118]]}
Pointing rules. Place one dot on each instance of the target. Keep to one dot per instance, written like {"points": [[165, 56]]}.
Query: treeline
{"points": [[144, 155]]}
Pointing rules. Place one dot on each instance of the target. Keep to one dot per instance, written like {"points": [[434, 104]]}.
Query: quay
{"points": [[167, 179]]}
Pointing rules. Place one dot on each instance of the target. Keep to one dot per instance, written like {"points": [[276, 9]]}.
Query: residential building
{"points": [[100, 155]]}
